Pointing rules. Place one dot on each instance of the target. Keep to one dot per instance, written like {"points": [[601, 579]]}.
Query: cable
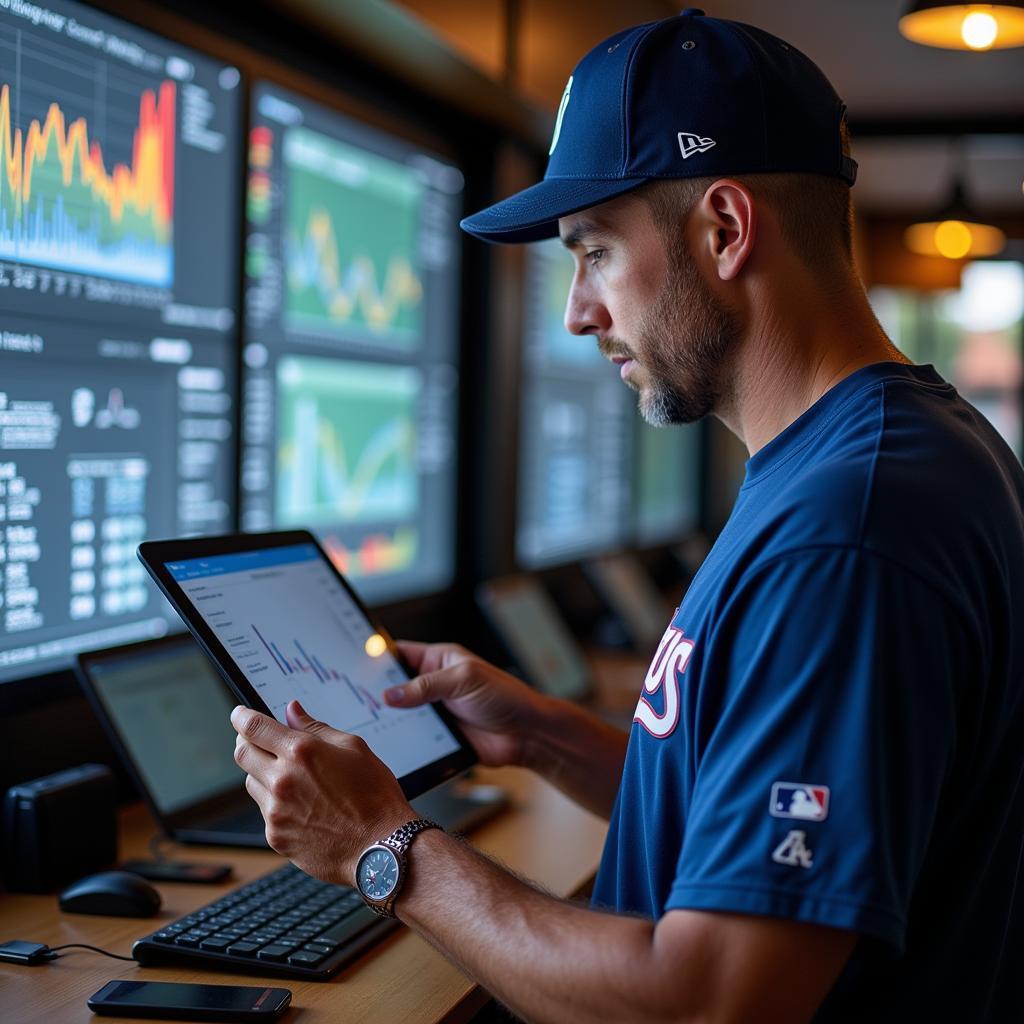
{"points": [[51, 953]]}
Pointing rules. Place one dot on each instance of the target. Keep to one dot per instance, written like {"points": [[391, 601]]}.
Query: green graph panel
{"points": [[351, 229], [346, 442]]}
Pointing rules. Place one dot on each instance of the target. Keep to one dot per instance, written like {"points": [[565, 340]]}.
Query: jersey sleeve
{"points": [[825, 733]]}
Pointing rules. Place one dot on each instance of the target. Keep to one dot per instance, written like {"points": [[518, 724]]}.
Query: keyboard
{"points": [[283, 924], [287, 924]]}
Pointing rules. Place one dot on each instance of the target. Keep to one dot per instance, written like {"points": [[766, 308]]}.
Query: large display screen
{"points": [[350, 379], [666, 499], [118, 227], [296, 634], [576, 430]]}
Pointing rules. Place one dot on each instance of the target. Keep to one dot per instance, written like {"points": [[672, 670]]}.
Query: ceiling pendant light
{"points": [[956, 232], [964, 26]]}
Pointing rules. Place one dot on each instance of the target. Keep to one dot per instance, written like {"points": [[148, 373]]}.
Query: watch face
{"points": [[377, 873]]}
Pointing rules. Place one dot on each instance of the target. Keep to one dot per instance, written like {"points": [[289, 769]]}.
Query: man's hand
{"points": [[509, 723], [323, 794], [497, 712]]}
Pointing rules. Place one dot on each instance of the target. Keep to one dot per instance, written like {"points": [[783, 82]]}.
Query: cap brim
{"points": [[532, 215]]}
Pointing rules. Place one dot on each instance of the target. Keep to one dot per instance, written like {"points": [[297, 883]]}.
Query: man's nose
{"points": [[584, 313]]}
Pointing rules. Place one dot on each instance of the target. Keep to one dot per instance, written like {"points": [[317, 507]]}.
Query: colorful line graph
{"points": [[352, 293], [346, 441], [363, 695], [351, 236], [303, 663], [298, 662], [61, 207]]}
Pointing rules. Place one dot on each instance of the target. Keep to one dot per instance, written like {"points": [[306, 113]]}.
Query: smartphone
{"points": [[178, 871], [171, 1001]]}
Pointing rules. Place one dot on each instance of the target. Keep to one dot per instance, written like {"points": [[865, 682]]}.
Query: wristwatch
{"points": [[381, 869]]}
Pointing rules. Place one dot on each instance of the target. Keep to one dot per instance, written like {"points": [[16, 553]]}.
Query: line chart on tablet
{"points": [[295, 633]]}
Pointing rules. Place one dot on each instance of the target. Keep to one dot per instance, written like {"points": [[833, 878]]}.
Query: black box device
{"points": [[59, 828]]}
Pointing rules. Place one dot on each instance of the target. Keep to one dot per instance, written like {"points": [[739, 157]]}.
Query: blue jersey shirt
{"points": [[832, 728]]}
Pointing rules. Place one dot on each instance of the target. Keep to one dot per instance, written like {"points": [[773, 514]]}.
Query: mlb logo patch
{"points": [[799, 800]]}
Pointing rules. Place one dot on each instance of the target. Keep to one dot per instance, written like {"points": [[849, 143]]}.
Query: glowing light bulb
{"points": [[375, 645], [953, 239], [979, 30]]}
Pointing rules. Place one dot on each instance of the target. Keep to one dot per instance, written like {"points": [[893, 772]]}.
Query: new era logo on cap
{"points": [[799, 800], [690, 144]]}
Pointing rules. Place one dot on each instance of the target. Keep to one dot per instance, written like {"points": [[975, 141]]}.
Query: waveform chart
{"points": [[350, 240], [66, 204], [346, 442]]}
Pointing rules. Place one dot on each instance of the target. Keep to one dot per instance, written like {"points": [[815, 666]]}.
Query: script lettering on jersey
{"points": [[669, 663]]}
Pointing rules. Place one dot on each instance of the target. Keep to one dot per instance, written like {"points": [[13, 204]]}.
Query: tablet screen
{"points": [[295, 632]]}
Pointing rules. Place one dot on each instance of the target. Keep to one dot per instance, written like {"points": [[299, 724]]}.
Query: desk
{"points": [[401, 979]]}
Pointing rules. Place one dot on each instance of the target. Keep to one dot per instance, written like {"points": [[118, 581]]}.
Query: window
{"points": [[972, 336]]}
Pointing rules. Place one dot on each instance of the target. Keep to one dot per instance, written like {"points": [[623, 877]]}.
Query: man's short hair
{"points": [[815, 212]]}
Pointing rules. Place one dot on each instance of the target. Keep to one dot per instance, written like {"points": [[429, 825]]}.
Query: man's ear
{"points": [[728, 225]]}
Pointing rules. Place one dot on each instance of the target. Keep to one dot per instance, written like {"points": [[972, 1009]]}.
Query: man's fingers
{"points": [[424, 658], [252, 759], [257, 791], [261, 730], [445, 684], [413, 653]]}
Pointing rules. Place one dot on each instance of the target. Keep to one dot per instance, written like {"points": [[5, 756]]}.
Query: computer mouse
{"points": [[114, 893]]}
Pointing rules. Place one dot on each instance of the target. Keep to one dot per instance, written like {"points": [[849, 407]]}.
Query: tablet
{"points": [[281, 623]]}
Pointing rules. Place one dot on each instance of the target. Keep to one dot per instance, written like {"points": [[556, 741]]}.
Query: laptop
{"points": [[166, 711], [167, 714]]}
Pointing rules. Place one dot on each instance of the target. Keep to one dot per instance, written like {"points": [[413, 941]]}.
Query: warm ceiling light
{"points": [[979, 30], [964, 26], [956, 233], [954, 239]]}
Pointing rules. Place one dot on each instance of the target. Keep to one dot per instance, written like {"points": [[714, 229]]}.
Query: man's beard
{"points": [[685, 342]]}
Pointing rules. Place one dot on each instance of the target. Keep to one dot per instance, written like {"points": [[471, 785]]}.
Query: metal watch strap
{"points": [[399, 841], [403, 835]]}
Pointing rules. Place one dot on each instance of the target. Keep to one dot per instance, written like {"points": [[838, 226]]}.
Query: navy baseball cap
{"points": [[686, 97]]}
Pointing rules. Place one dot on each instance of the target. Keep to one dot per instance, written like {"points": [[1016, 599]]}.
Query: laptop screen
{"points": [[172, 712]]}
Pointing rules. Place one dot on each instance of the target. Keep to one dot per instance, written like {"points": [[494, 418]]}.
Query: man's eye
{"points": [[595, 256]]}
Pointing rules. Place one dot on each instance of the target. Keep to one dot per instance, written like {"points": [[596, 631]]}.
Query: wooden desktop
{"points": [[543, 836]]}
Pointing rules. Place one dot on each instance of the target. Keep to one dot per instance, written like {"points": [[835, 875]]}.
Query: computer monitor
{"points": [[350, 358], [576, 430], [666, 499], [119, 216]]}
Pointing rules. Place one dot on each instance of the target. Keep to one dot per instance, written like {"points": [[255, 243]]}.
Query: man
{"points": [[820, 809]]}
